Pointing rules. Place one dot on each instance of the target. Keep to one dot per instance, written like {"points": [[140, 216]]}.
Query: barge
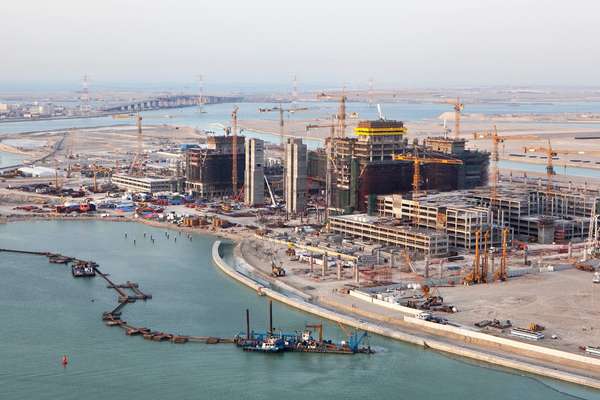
{"points": [[304, 342]]}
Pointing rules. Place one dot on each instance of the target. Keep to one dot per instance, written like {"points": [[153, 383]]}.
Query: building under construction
{"points": [[208, 169], [460, 221], [369, 164], [536, 213]]}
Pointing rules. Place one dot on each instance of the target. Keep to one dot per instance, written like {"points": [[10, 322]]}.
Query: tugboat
{"points": [[270, 344]]}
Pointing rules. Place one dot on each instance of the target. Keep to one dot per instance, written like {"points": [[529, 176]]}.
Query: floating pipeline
{"points": [[130, 292]]}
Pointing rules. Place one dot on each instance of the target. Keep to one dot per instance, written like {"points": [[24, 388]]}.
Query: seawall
{"points": [[439, 345]]}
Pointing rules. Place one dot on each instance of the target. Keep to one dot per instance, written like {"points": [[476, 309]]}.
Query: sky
{"points": [[409, 43]]}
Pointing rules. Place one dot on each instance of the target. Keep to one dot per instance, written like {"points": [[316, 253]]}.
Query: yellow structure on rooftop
{"points": [[380, 128]]}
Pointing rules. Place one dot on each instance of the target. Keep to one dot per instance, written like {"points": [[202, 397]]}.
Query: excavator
{"points": [[277, 271]]}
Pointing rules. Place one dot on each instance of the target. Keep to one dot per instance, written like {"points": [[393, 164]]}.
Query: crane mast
{"points": [[418, 161], [458, 107], [496, 140], [234, 166]]}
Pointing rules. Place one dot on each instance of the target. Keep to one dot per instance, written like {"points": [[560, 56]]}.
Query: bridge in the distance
{"points": [[174, 101]]}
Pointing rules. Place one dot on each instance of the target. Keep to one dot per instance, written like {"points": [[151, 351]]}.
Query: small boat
{"points": [[83, 269], [269, 345]]}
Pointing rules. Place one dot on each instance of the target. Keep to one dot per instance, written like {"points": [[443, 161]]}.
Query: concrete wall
{"points": [[402, 336], [540, 352], [365, 297]]}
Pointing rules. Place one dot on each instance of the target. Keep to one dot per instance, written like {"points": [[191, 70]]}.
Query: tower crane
{"points": [[496, 140], [341, 114], [330, 162], [137, 162], [458, 108], [234, 166], [550, 154], [281, 111], [417, 161]]}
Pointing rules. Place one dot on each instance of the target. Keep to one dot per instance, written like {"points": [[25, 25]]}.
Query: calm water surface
{"points": [[44, 313]]}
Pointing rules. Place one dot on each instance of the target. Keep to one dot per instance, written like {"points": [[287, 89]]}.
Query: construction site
{"points": [[375, 222]]}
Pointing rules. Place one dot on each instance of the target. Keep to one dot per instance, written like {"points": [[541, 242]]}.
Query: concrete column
{"points": [[426, 267], [312, 263], [324, 265], [339, 269], [570, 249]]}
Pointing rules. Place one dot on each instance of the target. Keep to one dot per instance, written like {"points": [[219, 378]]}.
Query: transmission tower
{"points": [[294, 92], [370, 92], [85, 106]]}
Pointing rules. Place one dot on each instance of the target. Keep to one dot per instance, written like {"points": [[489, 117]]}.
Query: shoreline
{"points": [[421, 340], [423, 337]]}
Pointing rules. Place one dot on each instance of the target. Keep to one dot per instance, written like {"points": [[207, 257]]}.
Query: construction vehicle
{"points": [[276, 270], [535, 327], [355, 339], [417, 161], [274, 203], [502, 273], [474, 276]]}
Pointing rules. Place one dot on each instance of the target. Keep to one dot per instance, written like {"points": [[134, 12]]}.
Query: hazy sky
{"points": [[404, 42]]}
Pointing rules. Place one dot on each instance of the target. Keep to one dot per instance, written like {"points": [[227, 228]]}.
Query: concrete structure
{"points": [[295, 175], [448, 212], [387, 231], [147, 184], [254, 178], [534, 214], [365, 165], [467, 336], [208, 169], [38, 172]]}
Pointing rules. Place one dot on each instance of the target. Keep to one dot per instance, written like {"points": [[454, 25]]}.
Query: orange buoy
{"points": [[65, 361]]}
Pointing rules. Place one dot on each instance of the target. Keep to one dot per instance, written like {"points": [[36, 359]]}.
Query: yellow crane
{"points": [[234, 166], [417, 161], [496, 140], [502, 273]]}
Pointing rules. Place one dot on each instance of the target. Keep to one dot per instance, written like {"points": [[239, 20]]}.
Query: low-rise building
{"points": [[147, 184]]}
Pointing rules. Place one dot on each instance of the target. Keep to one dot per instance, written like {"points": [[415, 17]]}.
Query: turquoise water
{"points": [[8, 159], [221, 113], [558, 169], [45, 313]]}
